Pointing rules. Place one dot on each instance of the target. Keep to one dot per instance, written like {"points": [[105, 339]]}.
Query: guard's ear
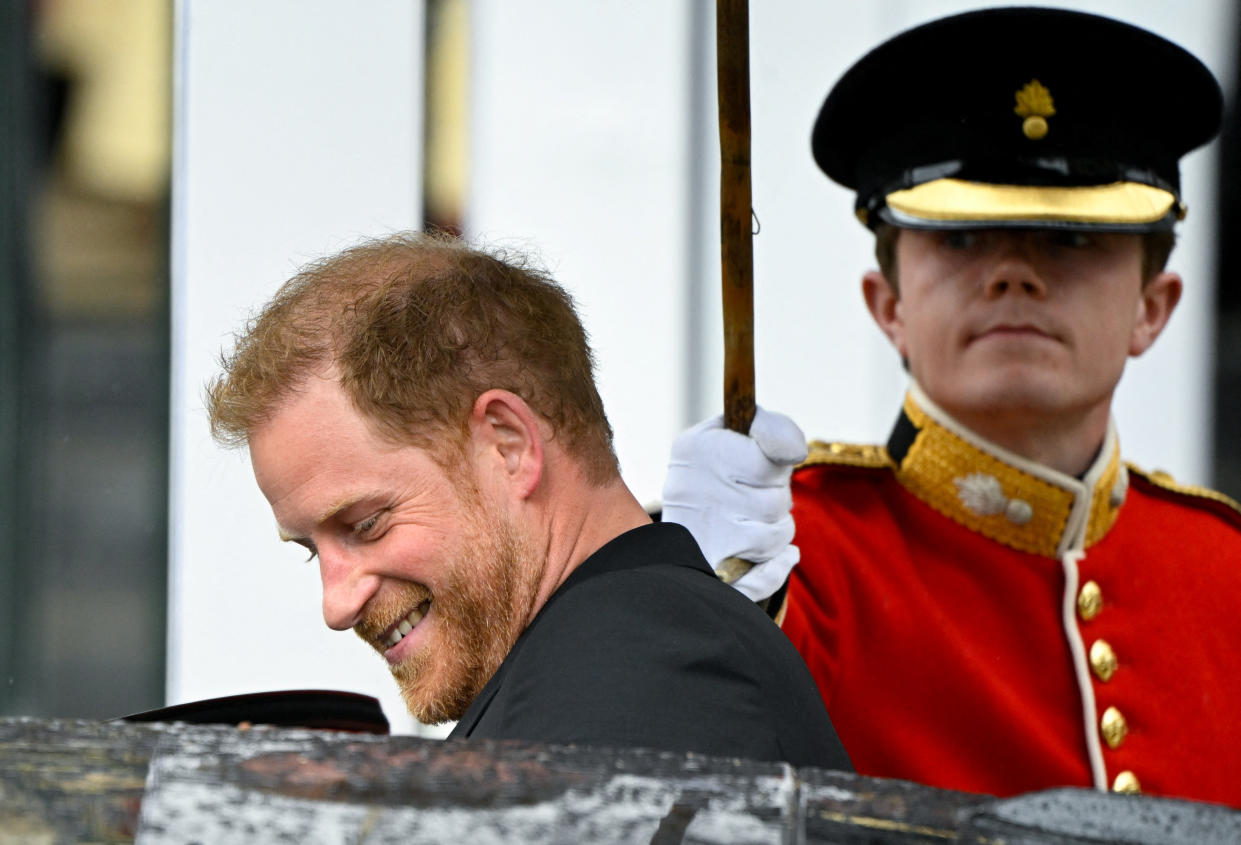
{"points": [[508, 441], [885, 307], [1159, 298]]}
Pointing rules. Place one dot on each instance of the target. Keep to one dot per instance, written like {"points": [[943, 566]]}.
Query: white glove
{"points": [[732, 492]]}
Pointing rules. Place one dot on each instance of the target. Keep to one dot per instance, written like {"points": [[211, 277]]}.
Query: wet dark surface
{"points": [[71, 781]]}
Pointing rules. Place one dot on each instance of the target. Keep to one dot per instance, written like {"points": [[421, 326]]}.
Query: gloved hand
{"points": [[732, 492]]}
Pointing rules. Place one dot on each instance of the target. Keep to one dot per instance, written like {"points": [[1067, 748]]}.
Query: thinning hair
{"points": [[416, 327]]}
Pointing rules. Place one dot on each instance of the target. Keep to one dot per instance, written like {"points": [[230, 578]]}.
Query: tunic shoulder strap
{"points": [[1190, 494], [867, 455]]}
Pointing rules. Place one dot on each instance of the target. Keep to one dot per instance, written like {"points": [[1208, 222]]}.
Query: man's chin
{"points": [[435, 706], [440, 694], [1015, 387], [436, 712]]}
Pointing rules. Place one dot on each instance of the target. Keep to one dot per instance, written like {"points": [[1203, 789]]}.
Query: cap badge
{"points": [[1035, 105]]}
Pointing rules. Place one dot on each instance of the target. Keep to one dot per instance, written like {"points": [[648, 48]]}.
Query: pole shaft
{"points": [[736, 235]]}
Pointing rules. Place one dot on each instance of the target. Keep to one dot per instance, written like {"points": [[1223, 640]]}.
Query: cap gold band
{"points": [[955, 200]]}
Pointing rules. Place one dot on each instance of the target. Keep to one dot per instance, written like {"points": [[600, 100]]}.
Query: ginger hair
{"points": [[415, 327]]}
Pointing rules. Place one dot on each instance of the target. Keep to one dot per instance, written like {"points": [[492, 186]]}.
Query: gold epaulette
{"points": [[847, 454], [1165, 481]]}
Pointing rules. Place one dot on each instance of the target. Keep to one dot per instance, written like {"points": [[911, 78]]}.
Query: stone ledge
{"points": [[75, 781]]}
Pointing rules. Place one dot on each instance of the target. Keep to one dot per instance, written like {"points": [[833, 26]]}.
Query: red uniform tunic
{"points": [[979, 622]]}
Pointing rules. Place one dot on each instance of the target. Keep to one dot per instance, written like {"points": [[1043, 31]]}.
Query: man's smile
{"points": [[405, 624], [388, 640]]}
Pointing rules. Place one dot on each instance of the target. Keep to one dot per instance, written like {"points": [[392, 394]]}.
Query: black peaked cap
{"points": [[1118, 104]]}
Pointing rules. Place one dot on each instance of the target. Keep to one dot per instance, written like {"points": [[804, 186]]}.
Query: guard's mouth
{"points": [[1015, 326], [407, 624]]}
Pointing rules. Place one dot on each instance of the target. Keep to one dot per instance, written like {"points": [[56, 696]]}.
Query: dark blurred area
{"points": [[84, 345], [1227, 415]]}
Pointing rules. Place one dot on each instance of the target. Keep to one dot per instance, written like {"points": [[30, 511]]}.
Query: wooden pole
{"points": [[732, 34]]}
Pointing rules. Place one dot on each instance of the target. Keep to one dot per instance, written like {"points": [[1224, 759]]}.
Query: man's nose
{"points": [[346, 588], [1015, 270]]}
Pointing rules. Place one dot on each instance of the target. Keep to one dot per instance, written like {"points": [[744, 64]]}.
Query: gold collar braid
{"points": [[1024, 505]]}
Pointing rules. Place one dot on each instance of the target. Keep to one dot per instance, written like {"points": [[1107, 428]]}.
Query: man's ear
{"points": [[507, 439], [884, 306], [1159, 298]]}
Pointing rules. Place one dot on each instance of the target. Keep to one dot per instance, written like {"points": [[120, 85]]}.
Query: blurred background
{"points": [[84, 351], [164, 166]]}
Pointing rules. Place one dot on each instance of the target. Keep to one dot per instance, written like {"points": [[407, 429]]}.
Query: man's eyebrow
{"points": [[287, 535], [342, 505]]}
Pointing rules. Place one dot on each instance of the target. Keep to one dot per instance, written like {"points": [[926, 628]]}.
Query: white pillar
{"points": [[297, 130], [580, 152]]}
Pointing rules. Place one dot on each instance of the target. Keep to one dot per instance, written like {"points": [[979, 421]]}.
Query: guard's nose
{"points": [[1014, 270]]}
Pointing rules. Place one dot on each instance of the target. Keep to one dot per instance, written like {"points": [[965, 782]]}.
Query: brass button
{"points": [[1103, 660], [1113, 727], [1127, 782], [1089, 601]]}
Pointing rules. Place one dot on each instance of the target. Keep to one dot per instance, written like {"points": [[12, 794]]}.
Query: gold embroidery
{"points": [[1167, 482], [847, 454], [1034, 103], [980, 491], [968, 484], [1102, 512], [938, 457]]}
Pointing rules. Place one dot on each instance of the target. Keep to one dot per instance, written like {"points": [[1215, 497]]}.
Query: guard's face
{"points": [[1022, 326], [424, 569]]}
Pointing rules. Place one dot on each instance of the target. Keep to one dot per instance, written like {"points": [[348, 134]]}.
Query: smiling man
{"points": [[993, 600], [422, 417]]}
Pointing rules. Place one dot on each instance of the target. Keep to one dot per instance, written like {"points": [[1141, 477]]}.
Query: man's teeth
{"points": [[408, 623]]}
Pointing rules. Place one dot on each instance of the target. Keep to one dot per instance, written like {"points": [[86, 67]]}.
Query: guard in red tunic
{"points": [[994, 600]]}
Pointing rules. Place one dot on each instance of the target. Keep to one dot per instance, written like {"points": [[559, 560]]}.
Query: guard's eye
{"points": [[960, 239], [1070, 239]]}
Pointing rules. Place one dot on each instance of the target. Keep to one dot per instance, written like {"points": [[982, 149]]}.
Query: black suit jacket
{"points": [[642, 646]]}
